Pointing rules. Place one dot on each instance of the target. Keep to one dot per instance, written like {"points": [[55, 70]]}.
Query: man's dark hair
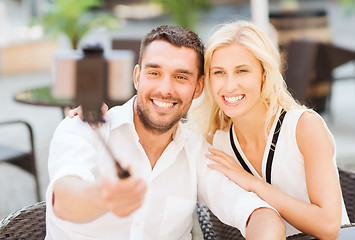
{"points": [[178, 36]]}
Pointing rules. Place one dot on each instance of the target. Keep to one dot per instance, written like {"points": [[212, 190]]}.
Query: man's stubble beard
{"points": [[158, 128]]}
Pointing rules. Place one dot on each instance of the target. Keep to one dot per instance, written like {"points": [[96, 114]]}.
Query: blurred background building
{"points": [[27, 55]]}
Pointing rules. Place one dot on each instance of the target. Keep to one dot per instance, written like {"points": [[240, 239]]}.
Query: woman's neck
{"points": [[250, 128]]}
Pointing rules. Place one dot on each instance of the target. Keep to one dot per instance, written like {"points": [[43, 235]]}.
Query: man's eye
{"points": [[153, 73], [181, 77]]}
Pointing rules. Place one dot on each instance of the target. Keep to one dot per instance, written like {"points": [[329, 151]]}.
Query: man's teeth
{"points": [[233, 99], [162, 104]]}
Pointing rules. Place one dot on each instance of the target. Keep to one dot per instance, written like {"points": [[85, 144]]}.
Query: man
{"points": [[169, 173]]}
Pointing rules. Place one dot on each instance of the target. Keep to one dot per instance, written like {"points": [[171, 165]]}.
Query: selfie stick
{"points": [[91, 92], [121, 172]]}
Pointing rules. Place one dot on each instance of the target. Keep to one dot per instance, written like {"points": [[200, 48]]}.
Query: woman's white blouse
{"points": [[288, 173]]}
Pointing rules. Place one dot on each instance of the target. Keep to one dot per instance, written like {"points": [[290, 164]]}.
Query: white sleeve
{"points": [[72, 152], [229, 202]]}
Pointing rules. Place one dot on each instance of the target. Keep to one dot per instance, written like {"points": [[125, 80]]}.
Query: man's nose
{"points": [[166, 86]]}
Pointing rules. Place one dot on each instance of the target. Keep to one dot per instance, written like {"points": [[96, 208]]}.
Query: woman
{"points": [[246, 106]]}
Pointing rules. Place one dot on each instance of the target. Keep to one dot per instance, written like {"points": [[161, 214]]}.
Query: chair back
{"points": [[28, 223], [309, 67], [25, 160], [347, 182]]}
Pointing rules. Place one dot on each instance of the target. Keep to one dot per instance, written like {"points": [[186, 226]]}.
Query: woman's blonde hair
{"points": [[206, 117]]}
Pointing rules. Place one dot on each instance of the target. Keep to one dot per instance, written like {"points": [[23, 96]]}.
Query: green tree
{"points": [[349, 6], [184, 12], [74, 18]]}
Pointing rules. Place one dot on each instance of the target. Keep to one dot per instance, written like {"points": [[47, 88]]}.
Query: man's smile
{"points": [[162, 105]]}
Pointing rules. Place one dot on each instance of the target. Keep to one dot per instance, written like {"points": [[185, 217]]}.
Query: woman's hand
{"points": [[79, 112], [231, 169]]}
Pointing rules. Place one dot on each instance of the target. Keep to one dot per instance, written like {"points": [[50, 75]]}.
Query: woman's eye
{"points": [[217, 72], [241, 70]]}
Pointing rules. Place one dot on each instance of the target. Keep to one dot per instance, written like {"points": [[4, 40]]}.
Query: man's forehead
{"points": [[160, 53]]}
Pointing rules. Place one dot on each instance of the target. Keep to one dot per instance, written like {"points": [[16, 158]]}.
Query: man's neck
{"points": [[153, 142]]}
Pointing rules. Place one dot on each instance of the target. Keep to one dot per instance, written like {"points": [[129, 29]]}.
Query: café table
{"points": [[42, 96]]}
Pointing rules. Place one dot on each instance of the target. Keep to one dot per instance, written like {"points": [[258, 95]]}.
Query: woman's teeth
{"points": [[233, 99]]}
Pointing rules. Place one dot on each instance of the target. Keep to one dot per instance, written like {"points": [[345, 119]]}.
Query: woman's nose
{"points": [[231, 83]]}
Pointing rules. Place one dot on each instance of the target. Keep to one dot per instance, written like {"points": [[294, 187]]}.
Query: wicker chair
{"points": [[28, 223], [212, 228], [347, 182]]}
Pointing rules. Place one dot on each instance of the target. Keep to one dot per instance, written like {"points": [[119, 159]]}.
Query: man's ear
{"points": [[136, 75], [199, 87]]}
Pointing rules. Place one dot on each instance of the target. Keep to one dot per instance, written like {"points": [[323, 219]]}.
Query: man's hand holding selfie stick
{"points": [[80, 201]]}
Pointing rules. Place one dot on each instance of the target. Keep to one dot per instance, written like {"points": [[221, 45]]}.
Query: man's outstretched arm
{"points": [[77, 200]]}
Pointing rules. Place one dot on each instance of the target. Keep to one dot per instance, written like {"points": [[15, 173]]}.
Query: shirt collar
{"points": [[120, 115], [179, 134]]}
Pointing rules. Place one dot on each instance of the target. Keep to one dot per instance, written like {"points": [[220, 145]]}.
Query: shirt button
{"points": [[138, 224]]}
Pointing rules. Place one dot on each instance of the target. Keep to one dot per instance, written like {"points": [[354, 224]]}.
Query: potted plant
{"points": [[74, 18]]}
